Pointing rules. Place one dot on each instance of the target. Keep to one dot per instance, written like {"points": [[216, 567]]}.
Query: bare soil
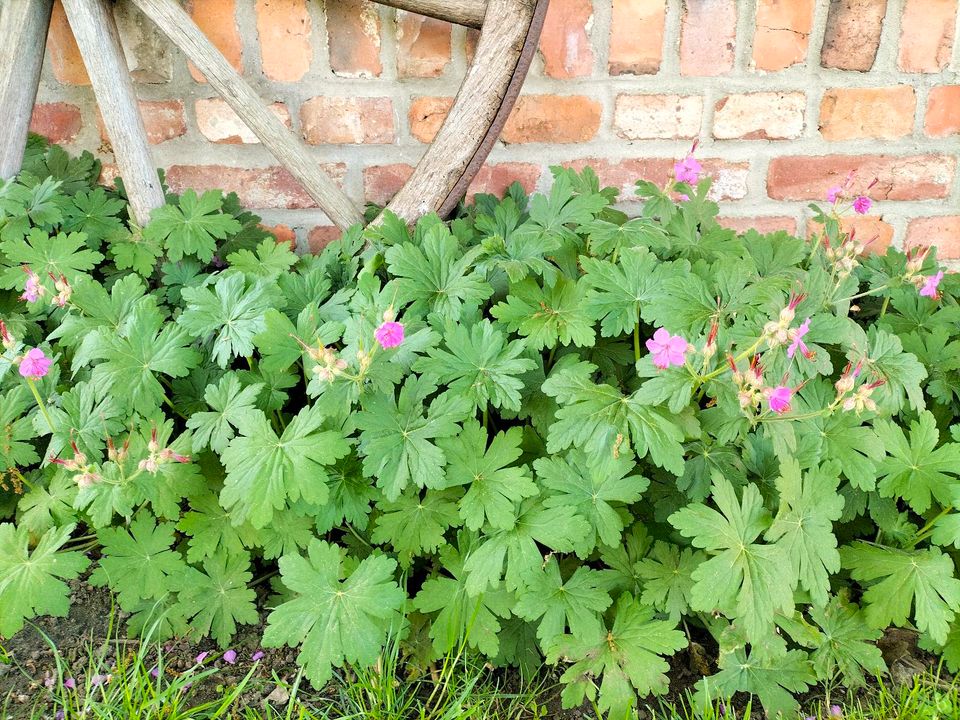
{"points": [[32, 660]]}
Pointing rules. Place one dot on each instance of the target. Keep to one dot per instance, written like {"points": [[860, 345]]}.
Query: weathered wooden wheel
{"points": [[510, 30]]}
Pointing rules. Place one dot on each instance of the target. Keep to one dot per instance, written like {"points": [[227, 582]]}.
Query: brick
{"points": [[565, 41], [782, 33], [269, 187], [553, 119], [636, 37], [708, 31], [495, 179], [913, 177], [423, 45], [347, 120], [284, 28], [321, 236], [644, 117], [148, 51], [219, 124], [353, 38], [926, 35], [57, 122], [730, 179], [427, 115], [382, 182], [62, 51], [763, 224], [943, 111], [943, 232], [879, 113], [282, 234], [162, 119], [218, 20], [853, 34], [872, 231], [760, 116]]}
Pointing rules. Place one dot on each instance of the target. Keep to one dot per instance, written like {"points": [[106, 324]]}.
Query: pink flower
{"points": [[687, 170], [389, 334], [833, 193], [862, 205], [230, 657], [201, 657], [779, 398], [33, 289], [930, 285], [258, 655], [667, 349], [70, 684], [835, 711], [798, 343], [34, 364]]}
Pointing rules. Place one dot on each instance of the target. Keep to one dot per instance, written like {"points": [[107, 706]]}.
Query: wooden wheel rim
{"points": [[510, 30]]}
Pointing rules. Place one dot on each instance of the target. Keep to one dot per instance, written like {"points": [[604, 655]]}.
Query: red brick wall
{"points": [[785, 97]]}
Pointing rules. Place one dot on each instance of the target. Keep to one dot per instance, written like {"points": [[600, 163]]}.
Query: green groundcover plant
{"points": [[544, 430]]}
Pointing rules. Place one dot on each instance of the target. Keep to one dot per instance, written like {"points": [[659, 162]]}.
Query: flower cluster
{"points": [[849, 397], [159, 456], [838, 193], [778, 332], [846, 256], [927, 285], [85, 473]]}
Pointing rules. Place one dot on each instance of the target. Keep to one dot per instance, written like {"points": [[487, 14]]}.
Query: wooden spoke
{"points": [[95, 29], [177, 25], [23, 25], [503, 54], [459, 12]]}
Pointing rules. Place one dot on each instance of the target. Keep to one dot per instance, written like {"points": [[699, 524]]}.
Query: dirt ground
{"points": [[31, 660]]}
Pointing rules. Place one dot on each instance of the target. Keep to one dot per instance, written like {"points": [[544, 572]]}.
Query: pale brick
{"points": [[62, 51], [708, 37], [926, 35], [782, 33], [423, 45], [943, 111], [321, 236], [730, 179], [553, 119], [914, 177], [853, 34], [642, 117], [636, 37], [427, 115], [219, 124], [148, 51], [218, 21], [873, 232], [162, 119], [269, 187], [382, 182], [353, 38], [57, 122], [347, 120], [282, 234], [879, 113], [283, 28], [941, 232], [565, 42], [760, 116], [763, 224]]}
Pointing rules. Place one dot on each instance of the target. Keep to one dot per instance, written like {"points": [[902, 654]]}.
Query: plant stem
{"points": [[636, 342], [40, 404], [883, 308], [925, 531], [863, 294]]}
